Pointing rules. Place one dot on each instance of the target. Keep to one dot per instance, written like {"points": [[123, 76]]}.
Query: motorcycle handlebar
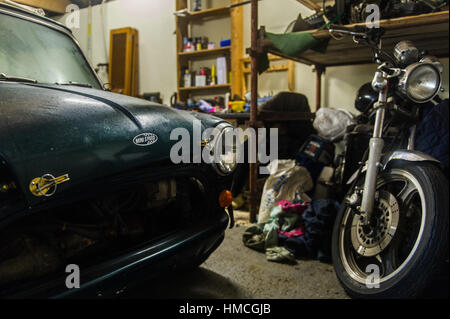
{"points": [[361, 32], [348, 31]]}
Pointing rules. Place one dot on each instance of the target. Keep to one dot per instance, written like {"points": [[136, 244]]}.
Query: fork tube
{"points": [[412, 138], [375, 152]]}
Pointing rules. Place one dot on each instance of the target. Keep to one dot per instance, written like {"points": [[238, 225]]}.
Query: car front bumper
{"points": [[108, 279]]}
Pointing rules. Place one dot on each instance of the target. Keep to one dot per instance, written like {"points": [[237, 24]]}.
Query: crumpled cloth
{"points": [[316, 219], [284, 217], [255, 238], [280, 254], [300, 231]]}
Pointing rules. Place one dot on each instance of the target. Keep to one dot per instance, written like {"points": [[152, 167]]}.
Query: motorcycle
{"points": [[391, 234]]}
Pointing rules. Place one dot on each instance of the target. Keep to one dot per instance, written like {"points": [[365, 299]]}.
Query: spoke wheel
{"points": [[406, 240], [400, 198]]}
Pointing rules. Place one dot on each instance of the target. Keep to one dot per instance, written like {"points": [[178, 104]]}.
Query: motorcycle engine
{"points": [[394, 9]]}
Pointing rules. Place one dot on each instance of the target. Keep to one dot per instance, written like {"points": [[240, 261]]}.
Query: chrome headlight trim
{"points": [[220, 167], [430, 87]]}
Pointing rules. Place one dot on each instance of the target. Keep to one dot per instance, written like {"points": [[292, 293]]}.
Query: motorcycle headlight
{"points": [[421, 82], [223, 150]]}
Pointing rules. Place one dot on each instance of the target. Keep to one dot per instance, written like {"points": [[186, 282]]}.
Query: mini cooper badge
{"points": [[145, 139], [46, 185]]}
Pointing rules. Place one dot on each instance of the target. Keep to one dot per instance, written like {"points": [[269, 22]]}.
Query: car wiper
{"points": [[75, 84], [4, 77]]}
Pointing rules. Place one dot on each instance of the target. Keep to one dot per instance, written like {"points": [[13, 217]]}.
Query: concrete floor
{"points": [[253, 276], [235, 271]]}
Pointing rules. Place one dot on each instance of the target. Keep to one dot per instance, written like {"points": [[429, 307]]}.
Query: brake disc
{"points": [[369, 241]]}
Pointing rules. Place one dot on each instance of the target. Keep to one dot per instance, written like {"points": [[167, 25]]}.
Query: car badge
{"points": [[46, 185], [205, 143], [145, 139]]}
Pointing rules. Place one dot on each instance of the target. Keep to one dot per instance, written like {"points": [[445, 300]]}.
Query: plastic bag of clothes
{"points": [[331, 124], [287, 181]]}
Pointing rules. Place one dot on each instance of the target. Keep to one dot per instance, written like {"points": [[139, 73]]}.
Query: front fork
{"points": [[375, 149]]}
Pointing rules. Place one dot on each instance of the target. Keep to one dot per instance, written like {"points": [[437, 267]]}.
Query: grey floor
{"points": [[235, 271]]}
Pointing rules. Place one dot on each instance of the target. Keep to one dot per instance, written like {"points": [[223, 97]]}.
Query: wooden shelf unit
{"points": [[233, 52], [428, 31]]}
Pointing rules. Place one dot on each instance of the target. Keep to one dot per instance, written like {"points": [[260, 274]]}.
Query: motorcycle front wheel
{"points": [[406, 243]]}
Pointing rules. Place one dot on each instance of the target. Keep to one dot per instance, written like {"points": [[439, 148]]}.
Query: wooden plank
{"points": [[276, 68], [426, 19], [207, 13], [203, 53], [181, 31], [57, 6], [205, 88], [311, 5], [291, 76], [271, 58], [237, 49]]}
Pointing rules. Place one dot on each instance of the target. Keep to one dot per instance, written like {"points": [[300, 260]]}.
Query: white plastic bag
{"points": [[331, 124], [287, 181]]}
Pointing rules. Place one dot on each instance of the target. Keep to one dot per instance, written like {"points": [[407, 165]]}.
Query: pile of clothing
{"points": [[295, 229]]}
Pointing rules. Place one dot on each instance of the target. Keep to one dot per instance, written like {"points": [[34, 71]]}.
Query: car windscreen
{"points": [[35, 51]]}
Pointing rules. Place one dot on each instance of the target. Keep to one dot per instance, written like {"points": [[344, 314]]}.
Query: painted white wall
{"points": [[156, 24]]}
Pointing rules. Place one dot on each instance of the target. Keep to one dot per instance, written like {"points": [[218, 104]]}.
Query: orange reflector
{"points": [[225, 199]]}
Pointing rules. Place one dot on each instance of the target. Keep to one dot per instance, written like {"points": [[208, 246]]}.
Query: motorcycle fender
{"points": [[409, 156], [403, 155]]}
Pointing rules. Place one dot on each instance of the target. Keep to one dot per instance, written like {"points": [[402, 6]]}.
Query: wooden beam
{"points": [[276, 68], [253, 170], [57, 6], [311, 5], [425, 19], [291, 76], [426, 31], [237, 48]]}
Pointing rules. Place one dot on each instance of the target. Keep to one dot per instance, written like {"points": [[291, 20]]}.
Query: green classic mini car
{"points": [[86, 177]]}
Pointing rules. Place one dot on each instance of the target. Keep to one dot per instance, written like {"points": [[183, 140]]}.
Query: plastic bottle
{"points": [[187, 79]]}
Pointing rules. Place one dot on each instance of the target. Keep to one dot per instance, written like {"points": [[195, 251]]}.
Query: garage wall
{"points": [[156, 24]]}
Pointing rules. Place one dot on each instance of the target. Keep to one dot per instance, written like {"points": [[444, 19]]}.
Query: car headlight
{"points": [[223, 149], [421, 82]]}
